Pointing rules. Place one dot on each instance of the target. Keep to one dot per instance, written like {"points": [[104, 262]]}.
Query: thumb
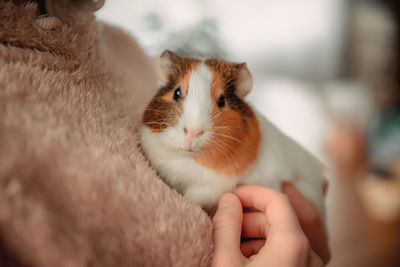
{"points": [[227, 229]]}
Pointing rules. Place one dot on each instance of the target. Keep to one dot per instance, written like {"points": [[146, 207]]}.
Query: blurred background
{"points": [[327, 73]]}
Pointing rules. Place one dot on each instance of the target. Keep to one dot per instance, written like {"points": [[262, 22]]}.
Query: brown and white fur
{"points": [[204, 149]]}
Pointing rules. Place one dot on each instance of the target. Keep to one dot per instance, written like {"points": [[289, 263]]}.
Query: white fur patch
{"points": [[197, 104]]}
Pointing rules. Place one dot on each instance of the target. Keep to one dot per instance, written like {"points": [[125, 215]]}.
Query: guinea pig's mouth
{"points": [[189, 150], [191, 146]]}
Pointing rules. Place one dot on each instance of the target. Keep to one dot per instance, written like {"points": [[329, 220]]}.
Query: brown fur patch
{"points": [[234, 144], [227, 74], [217, 86], [227, 70]]}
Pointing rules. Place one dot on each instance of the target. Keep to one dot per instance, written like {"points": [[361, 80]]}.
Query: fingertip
{"points": [[303, 207], [227, 224], [229, 209], [296, 198], [287, 187], [227, 200], [309, 220], [325, 187], [326, 255], [245, 187], [244, 191]]}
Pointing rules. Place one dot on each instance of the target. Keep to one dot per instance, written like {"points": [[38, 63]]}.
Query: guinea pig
{"points": [[204, 139]]}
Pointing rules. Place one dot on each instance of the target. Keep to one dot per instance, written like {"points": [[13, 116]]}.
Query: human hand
{"points": [[309, 221], [286, 244]]}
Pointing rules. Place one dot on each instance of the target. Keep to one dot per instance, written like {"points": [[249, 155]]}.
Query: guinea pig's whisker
{"points": [[216, 116], [221, 145], [233, 138], [218, 129], [227, 155], [215, 141], [210, 147], [227, 148], [180, 112], [227, 127]]}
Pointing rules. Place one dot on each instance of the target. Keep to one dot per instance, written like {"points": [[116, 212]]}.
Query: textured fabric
{"points": [[75, 188]]}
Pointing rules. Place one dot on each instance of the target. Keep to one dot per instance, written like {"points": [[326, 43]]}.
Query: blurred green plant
{"points": [[201, 39]]}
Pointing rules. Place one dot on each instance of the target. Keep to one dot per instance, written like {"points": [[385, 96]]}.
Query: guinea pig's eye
{"points": [[221, 101], [177, 94]]}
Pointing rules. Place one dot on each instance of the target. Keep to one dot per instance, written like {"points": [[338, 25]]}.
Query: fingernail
{"points": [[226, 200]]}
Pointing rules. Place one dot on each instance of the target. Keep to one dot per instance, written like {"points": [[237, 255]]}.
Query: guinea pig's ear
{"points": [[244, 81], [165, 62]]}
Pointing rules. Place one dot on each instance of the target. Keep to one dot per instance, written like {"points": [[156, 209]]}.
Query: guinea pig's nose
{"points": [[193, 132]]}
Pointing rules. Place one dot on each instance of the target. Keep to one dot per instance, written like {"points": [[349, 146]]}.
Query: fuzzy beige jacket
{"points": [[75, 188]]}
